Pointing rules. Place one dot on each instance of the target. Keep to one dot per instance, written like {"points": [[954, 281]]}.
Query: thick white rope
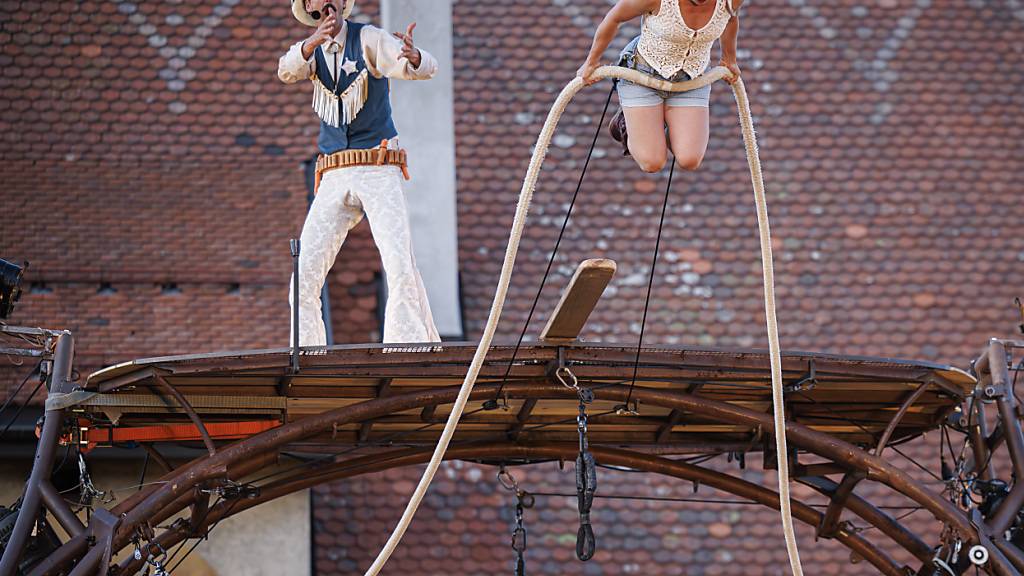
{"points": [[518, 224], [774, 352]]}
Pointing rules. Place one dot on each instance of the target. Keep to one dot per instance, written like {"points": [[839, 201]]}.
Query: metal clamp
{"points": [[154, 561], [807, 383], [586, 485]]}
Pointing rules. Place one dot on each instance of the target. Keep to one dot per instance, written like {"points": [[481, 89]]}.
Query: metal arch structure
{"points": [[349, 401]]}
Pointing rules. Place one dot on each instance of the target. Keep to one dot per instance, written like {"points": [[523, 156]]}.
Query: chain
{"points": [[524, 500]]}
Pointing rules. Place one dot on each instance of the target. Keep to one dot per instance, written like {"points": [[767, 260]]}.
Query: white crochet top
{"points": [[669, 45]]}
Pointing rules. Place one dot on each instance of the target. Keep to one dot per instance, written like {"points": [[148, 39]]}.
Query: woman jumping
{"points": [[675, 45]]}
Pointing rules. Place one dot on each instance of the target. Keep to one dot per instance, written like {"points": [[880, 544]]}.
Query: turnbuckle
{"points": [[524, 500]]}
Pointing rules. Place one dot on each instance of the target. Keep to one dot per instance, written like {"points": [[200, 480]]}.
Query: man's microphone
{"points": [[327, 10]]}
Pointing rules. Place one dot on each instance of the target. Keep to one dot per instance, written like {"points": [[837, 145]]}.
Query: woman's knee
{"points": [[689, 161], [651, 162]]}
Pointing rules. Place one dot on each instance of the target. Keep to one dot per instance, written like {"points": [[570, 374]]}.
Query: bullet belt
{"points": [[380, 156]]}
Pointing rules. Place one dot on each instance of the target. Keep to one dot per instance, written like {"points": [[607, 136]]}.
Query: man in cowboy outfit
{"points": [[360, 167]]}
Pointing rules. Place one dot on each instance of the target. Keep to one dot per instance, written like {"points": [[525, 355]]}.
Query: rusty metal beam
{"points": [[829, 525], [157, 456], [46, 449], [672, 362], [383, 389], [206, 468], [55, 503], [818, 469], [1001, 390], [907, 403], [427, 414], [611, 456], [521, 417], [872, 515], [674, 417], [180, 399], [666, 429], [200, 508]]}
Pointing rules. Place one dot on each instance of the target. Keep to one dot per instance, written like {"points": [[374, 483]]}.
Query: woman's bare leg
{"points": [[688, 134], [646, 128]]}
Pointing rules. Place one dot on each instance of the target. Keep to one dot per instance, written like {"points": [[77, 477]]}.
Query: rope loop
{"points": [[586, 543], [586, 485]]}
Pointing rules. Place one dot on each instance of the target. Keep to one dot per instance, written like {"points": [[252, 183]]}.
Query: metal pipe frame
{"points": [[911, 399], [978, 431], [1002, 388], [611, 456], [54, 502], [166, 386], [175, 490], [46, 452], [869, 513]]}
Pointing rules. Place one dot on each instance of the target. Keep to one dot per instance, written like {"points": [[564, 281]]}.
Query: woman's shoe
{"points": [[617, 128]]}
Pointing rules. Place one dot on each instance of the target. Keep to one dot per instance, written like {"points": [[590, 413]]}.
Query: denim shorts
{"points": [[633, 95]]}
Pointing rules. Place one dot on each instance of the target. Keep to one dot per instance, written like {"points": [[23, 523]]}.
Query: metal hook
{"points": [[562, 372], [507, 480]]}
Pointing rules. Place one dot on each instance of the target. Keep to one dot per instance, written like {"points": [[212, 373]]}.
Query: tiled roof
{"points": [[153, 176], [146, 145]]}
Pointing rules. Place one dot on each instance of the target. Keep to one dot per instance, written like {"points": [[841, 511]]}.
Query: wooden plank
{"points": [[578, 300]]}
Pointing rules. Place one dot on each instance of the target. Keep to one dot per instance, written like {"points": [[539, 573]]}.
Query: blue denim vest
{"points": [[373, 123]]}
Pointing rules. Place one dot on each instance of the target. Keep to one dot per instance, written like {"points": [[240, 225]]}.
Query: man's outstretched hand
{"points": [[409, 51]]}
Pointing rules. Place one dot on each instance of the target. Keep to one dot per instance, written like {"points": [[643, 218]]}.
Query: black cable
{"points": [[912, 509], [944, 442], [177, 549], [916, 463], [22, 408], [206, 537], [145, 466], [650, 281], [899, 518], [20, 386], [554, 253], [957, 478], [63, 460]]}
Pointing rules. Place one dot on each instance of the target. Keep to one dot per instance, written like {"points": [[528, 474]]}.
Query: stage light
{"points": [[10, 286]]}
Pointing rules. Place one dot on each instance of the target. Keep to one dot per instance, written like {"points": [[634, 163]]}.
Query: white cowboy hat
{"points": [[299, 11]]}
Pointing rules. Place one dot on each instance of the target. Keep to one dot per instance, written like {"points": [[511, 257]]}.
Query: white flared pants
{"points": [[344, 195]]}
